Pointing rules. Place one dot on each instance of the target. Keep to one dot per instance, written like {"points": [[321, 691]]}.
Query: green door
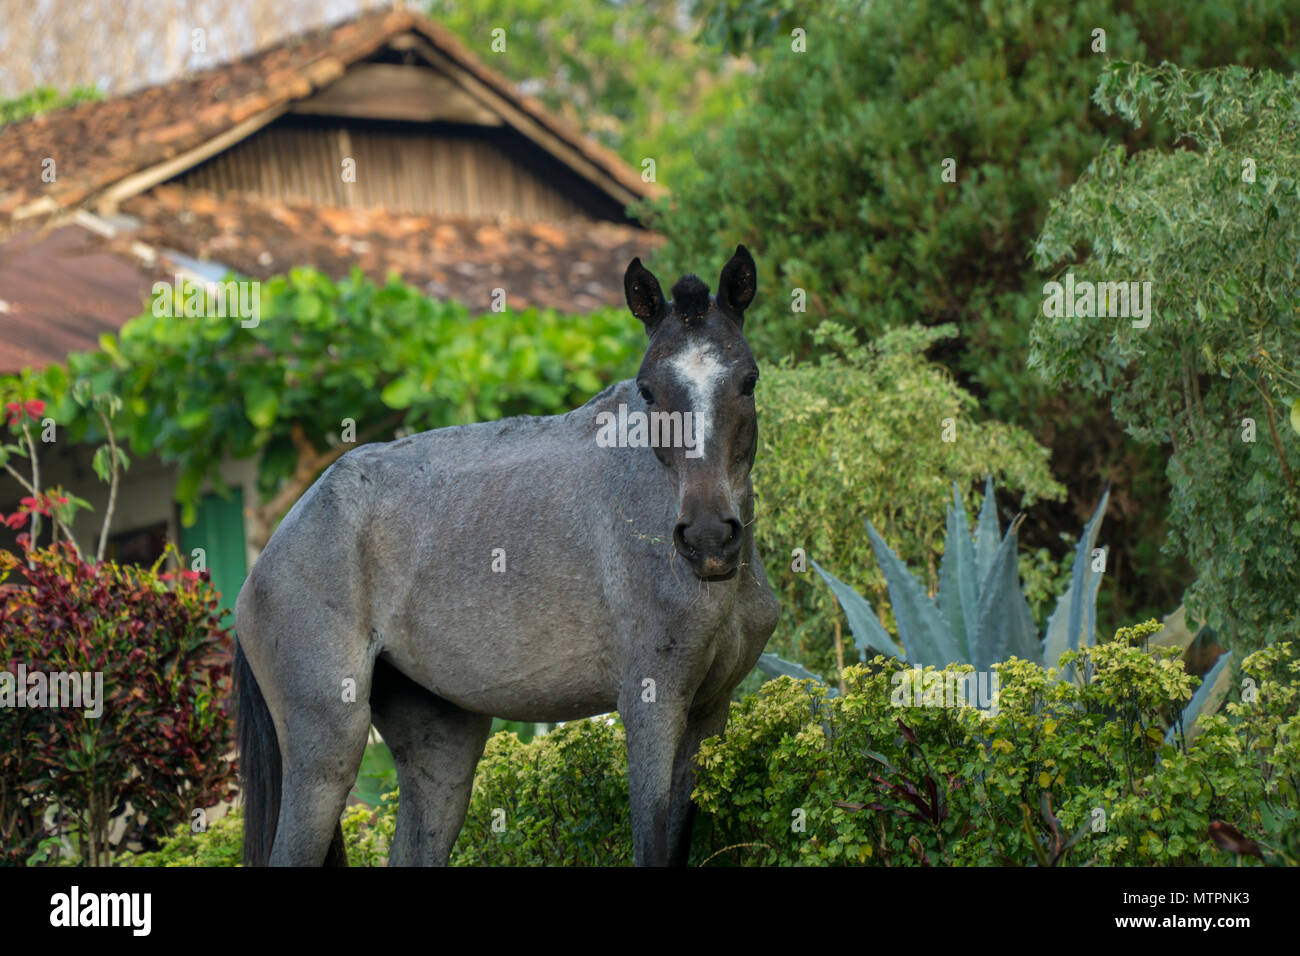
{"points": [[219, 531]]}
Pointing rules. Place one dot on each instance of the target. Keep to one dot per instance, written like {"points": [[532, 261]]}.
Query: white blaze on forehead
{"points": [[699, 368]]}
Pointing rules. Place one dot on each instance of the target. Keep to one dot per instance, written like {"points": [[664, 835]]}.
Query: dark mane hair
{"points": [[691, 296]]}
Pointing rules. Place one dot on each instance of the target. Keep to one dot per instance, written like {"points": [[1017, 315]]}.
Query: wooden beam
{"points": [[521, 121], [133, 185], [389, 91]]}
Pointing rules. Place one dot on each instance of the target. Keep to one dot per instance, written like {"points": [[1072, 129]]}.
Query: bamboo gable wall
{"points": [[442, 169]]}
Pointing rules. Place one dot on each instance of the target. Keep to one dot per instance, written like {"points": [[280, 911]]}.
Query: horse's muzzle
{"points": [[711, 546]]}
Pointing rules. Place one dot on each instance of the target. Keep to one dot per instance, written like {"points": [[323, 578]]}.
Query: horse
{"points": [[534, 569]]}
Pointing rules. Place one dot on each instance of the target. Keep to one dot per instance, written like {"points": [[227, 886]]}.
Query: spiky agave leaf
{"points": [[1005, 627], [1206, 700], [868, 632], [958, 583], [988, 536], [922, 629], [1074, 622], [1174, 631]]}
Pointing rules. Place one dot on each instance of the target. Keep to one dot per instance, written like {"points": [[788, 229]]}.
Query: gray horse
{"points": [[535, 569]]}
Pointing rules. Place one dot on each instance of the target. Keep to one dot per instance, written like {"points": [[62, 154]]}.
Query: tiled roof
{"points": [[572, 266], [97, 144]]}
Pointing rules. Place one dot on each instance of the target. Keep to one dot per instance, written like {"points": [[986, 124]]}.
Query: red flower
{"points": [[32, 408]]}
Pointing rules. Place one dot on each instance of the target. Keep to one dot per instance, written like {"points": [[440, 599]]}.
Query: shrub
{"points": [[158, 749], [858, 435], [895, 786], [1058, 774], [221, 844], [561, 800]]}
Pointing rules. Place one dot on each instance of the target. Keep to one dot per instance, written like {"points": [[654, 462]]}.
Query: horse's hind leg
{"points": [[322, 728], [436, 746]]}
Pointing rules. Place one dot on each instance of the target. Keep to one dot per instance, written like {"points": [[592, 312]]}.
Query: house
{"points": [[461, 179]]}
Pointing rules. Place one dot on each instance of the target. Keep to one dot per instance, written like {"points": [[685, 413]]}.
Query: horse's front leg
{"points": [[702, 723], [655, 717]]}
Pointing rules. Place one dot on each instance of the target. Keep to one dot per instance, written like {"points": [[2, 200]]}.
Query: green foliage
{"points": [[43, 99], [900, 786], [831, 176], [221, 844], [201, 386], [629, 75], [1223, 345], [368, 831], [560, 800], [979, 615], [377, 775], [158, 746], [858, 434], [1059, 773]]}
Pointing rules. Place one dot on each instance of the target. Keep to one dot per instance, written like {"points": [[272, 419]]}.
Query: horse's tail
{"points": [[259, 765], [259, 772]]}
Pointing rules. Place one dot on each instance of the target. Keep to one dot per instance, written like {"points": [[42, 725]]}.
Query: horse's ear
{"points": [[644, 297], [738, 283]]}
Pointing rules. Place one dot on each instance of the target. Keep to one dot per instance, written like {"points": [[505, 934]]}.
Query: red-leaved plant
{"points": [[159, 749]]}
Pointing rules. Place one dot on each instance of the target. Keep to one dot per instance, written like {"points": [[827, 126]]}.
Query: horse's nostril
{"points": [[720, 537], [679, 537]]}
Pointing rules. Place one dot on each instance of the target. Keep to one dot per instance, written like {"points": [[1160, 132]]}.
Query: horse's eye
{"points": [[747, 386], [647, 395]]}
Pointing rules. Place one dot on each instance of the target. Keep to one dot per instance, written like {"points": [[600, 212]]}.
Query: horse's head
{"points": [[699, 363]]}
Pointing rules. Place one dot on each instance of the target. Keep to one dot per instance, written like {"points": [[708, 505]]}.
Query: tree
{"points": [[1211, 219], [629, 74], [834, 176], [322, 368]]}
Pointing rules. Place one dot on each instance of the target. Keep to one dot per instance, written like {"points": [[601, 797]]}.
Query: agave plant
{"points": [[980, 615]]}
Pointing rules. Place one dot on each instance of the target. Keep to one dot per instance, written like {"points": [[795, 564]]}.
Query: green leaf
{"points": [[987, 533], [1073, 623], [400, 392], [1295, 415], [306, 307], [261, 405], [958, 585], [193, 418], [1005, 626], [924, 633], [868, 633], [101, 462]]}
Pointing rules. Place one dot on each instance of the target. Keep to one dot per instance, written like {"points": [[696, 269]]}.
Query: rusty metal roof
{"points": [[60, 290]]}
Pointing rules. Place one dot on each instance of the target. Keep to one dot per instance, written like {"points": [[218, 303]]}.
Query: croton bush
{"points": [[1061, 773], [159, 747]]}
